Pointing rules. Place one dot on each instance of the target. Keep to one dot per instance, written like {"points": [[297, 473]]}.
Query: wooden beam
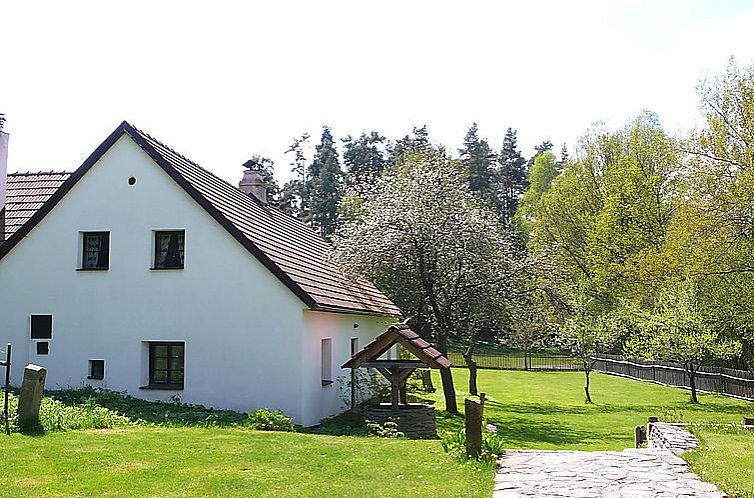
{"points": [[412, 364]]}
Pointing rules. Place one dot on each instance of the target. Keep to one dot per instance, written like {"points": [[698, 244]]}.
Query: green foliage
{"points": [[676, 331], [151, 412], [325, 185], [57, 416], [512, 176], [543, 172], [364, 159], [269, 420], [493, 445], [388, 430], [477, 159]]}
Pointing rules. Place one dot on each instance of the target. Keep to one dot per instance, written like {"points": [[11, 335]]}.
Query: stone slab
{"points": [[611, 474]]}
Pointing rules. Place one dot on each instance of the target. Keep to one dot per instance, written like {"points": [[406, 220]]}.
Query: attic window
{"points": [[96, 251], [169, 250]]}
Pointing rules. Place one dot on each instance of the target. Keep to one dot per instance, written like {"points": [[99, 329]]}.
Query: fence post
{"points": [[6, 364]]}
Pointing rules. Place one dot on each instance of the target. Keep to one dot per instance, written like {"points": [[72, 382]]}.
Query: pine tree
{"points": [[477, 157], [564, 158], [364, 158], [418, 142], [511, 176], [324, 185]]}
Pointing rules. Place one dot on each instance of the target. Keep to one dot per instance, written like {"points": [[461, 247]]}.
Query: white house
{"points": [[141, 271]]}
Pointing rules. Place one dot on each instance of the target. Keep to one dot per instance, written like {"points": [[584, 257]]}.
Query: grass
{"points": [[157, 461], [178, 452], [546, 410], [726, 458]]}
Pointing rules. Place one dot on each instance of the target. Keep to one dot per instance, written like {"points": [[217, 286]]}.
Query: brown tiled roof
{"points": [[286, 246], [25, 193], [399, 333]]}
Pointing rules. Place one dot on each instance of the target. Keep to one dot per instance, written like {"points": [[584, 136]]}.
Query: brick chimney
{"points": [[252, 182]]}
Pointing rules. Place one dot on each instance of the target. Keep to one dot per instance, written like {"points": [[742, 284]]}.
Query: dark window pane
{"points": [[96, 251], [161, 363], [169, 249], [41, 326], [43, 348], [96, 369], [160, 351], [160, 376], [177, 375]]}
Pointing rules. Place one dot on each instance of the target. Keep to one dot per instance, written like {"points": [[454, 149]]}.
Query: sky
{"points": [[221, 81]]}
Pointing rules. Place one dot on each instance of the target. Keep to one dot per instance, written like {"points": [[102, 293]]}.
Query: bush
{"points": [[56, 416], [492, 445], [388, 429], [268, 420], [169, 414]]}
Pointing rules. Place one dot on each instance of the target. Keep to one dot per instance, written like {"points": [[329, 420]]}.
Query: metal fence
{"points": [[519, 360], [719, 380]]}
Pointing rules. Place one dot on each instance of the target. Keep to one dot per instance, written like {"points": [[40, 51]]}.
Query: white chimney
{"points": [[252, 182], [3, 169]]}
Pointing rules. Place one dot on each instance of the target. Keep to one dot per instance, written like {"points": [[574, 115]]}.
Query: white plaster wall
{"points": [[320, 401], [244, 330]]}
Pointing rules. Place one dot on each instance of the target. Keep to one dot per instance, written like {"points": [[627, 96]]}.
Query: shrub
{"points": [[492, 445], [56, 416], [388, 429], [269, 420], [170, 414]]}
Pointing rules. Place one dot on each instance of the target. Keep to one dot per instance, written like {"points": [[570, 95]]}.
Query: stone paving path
{"points": [[632, 473]]}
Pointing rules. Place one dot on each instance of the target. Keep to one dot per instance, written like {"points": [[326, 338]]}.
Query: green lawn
{"points": [[532, 410], [727, 459], [154, 461], [546, 410]]}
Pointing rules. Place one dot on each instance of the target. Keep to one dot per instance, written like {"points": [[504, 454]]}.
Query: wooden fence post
{"points": [[474, 412]]}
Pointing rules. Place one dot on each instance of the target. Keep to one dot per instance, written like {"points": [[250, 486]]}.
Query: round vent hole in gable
{"points": [[132, 181]]}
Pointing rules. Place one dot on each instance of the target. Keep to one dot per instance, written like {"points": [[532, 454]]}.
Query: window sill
{"points": [[326, 383], [92, 269], [167, 269], [163, 387], [94, 378]]}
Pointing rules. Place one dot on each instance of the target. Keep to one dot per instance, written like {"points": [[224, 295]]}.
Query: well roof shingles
{"points": [[25, 194]]}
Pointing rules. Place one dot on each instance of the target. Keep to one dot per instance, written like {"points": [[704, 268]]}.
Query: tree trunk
{"points": [[587, 371], [469, 359], [692, 381], [446, 376]]}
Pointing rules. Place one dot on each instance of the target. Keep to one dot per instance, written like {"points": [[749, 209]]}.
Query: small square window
{"points": [[96, 369], [169, 250], [41, 326], [96, 251], [43, 348]]}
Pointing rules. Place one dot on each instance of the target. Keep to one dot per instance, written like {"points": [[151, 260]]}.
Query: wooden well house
{"points": [[413, 418]]}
